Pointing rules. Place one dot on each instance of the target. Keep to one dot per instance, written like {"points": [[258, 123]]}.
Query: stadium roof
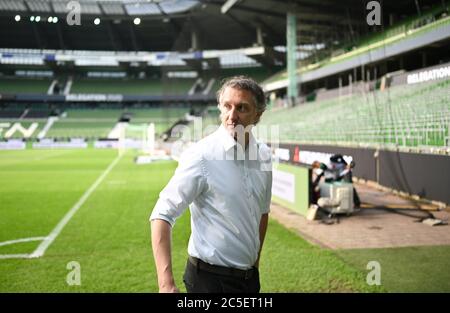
{"points": [[181, 25]]}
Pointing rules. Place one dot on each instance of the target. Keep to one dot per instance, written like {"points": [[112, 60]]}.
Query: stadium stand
{"points": [[11, 112], [259, 74], [402, 116], [97, 123], [85, 128], [24, 85], [28, 129], [414, 115], [408, 28], [132, 86], [163, 118], [36, 113]]}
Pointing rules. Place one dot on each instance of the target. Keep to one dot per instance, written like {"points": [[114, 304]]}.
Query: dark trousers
{"points": [[207, 280]]}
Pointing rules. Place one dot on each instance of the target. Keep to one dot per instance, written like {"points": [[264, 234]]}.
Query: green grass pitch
{"points": [[109, 236]]}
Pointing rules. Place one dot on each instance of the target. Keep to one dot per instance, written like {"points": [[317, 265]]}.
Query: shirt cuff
{"points": [[163, 218], [159, 216]]}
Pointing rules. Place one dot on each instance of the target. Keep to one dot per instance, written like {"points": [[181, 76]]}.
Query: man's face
{"points": [[237, 107]]}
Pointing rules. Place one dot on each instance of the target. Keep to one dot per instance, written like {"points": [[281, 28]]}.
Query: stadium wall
{"points": [[425, 175]]}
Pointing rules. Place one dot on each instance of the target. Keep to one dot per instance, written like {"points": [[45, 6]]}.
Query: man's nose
{"points": [[233, 114]]}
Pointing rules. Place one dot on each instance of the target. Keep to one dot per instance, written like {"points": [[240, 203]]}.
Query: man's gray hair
{"points": [[245, 83]]}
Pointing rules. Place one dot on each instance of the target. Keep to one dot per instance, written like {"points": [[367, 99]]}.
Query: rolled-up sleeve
{"points": [[186, 184]]}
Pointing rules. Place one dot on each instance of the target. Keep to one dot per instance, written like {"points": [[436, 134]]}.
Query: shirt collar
{"points": [[228, 141]]}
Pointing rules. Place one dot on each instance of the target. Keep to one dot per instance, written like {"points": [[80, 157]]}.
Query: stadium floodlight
{"points": [[50, 19], [55, 20], [137, 21], [17, 18], [32, 18], [38, 18], [97, 21]]}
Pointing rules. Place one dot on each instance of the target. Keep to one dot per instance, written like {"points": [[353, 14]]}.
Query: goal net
{"points": [[140, 137]]}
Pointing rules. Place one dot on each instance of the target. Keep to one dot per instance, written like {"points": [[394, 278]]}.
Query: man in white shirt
{"points": [[226, 178]]}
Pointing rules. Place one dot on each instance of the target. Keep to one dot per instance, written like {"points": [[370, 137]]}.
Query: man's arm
{"points": [[161, 242], [262, 234], [186, 184]]}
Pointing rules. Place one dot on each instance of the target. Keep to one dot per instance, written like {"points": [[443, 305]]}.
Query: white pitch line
{"points": [[40, 250], [14, 256], [10, 242]]}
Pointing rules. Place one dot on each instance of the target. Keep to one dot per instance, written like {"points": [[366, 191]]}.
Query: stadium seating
{"points": [[259, 74], [163, 118], [412, 115], [24, 85], [433, 18], [11, 112], [84, 128], [405, 116], [97, 123], [132, 86]]}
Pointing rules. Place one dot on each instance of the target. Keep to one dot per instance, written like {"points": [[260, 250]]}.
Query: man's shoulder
{"points": [[206, 141], [198, 149]]}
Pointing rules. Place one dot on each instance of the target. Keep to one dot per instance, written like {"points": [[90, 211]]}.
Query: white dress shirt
{"points": [[227, 191]]}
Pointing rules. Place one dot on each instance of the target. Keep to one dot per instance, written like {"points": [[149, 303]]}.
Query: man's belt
{"points": [[221, 270]]}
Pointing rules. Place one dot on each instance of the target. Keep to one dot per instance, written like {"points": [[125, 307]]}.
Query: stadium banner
{"points": [[283, 185], [74, 143], [127, 143], [96, 97], [290, 187], [106, 144], [12, 144], [428, 74]]}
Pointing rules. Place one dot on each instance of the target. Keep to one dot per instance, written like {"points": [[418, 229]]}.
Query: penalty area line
{"points": [[11, 242], [14, 256]]}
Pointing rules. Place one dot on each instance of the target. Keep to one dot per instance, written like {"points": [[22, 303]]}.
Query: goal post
{"points": [[137, 136]]}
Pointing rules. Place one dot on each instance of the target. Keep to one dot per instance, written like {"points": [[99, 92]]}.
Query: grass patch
{"points": [[411, 269], [290, 264]]}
